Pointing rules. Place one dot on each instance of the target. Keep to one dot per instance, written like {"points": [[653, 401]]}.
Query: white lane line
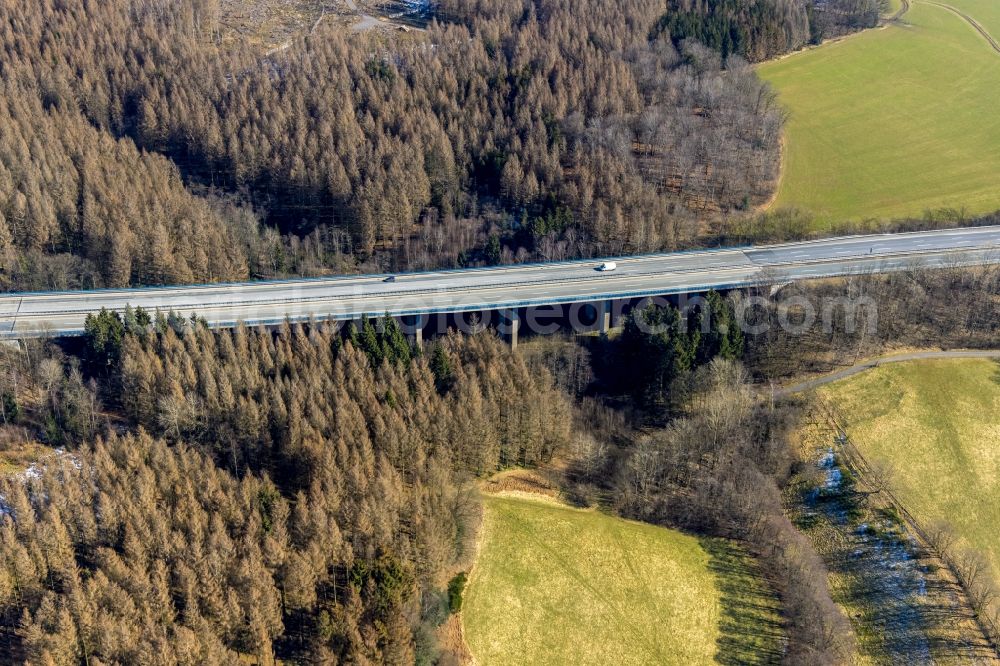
{"points": [[484, 293], [680, 270]]}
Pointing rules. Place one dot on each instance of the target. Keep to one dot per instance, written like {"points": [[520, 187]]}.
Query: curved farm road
{"points": [[875, 362], [971, 21], [903, 8]]}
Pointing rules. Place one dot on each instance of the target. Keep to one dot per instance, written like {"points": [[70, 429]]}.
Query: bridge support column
{"points": [[413, 327], [604, 311], [510, 324], [775, 288]]}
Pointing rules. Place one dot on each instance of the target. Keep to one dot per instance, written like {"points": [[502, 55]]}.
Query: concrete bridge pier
{"points": [[605, 310], [775, 288], [509, 325], [413, 327]]}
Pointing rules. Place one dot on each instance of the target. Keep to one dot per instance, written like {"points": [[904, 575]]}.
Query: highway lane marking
{"points": [[467, 299], [811, 258], [468, 282], [276, 316], [338, 291], [449, 274], [595, 285], [13, 321], [859, 268], [991, 233], [475, 293], [591, 288]]}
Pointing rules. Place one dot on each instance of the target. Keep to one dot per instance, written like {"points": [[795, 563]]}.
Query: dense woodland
{"points": [[289, 495], [754, 30], [137, 150], [308, 493], [762, 29], [134, 149]]}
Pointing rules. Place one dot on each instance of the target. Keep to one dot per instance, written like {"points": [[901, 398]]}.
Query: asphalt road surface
{"points": [[350, 297]]}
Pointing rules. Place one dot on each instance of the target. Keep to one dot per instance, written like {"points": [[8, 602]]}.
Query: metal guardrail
{"points": [[759, 278], [406, 293]]}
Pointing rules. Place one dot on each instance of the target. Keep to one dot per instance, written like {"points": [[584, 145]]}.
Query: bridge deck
{"points": [[349, 297]]}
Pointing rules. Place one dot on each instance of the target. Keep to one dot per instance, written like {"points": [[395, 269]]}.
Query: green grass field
{"points": [[556, 585], [938, 424], [892, 122], [986, 12]]}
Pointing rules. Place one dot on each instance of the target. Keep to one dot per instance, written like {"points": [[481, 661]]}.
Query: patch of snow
{"points": [[35, 470], [834, 477]]}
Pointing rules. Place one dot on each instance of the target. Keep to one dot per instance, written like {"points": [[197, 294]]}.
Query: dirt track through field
{"points": [[903, 8], [874, 363], [971, 21]]}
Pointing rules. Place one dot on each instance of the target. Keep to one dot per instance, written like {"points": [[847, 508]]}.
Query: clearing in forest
{"points": [[558, 585], [937, 424], [896, 121]]}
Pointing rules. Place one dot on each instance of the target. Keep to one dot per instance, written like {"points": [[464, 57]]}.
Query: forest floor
{"points": [[555, 584], [894, 122], [18, 456], [272, 25]]}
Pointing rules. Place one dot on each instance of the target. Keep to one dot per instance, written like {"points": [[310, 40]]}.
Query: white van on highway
{"points": [[607, 266]]}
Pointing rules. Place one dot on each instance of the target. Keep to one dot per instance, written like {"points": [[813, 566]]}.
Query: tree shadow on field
{"points": [[750, 625]]}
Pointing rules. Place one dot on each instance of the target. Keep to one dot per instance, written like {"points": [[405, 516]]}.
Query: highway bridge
{"points": [[509, 289]]}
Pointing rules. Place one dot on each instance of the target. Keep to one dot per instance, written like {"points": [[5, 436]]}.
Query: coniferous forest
{"points": [[309, 493], [301, 494], [135, 150]]}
